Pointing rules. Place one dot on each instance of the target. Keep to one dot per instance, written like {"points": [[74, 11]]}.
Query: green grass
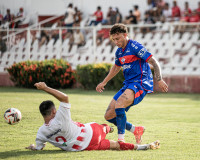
{"points": [[174, 119]]}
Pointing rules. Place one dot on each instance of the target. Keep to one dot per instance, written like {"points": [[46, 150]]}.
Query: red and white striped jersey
{"points": [[64, 133]]}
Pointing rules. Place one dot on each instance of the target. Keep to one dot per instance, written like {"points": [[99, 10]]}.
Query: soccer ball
{"points": [[12, 116]]}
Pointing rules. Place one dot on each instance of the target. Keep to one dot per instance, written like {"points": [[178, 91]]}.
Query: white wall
{"points": [[52, 7]]}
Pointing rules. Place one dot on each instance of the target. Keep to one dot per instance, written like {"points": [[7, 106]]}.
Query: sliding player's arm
{"points": [[114, 70], [57, 94], [157, 70], [33, 147]]}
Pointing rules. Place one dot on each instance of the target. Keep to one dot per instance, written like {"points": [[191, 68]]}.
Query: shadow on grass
{"points": [[18, 153]]}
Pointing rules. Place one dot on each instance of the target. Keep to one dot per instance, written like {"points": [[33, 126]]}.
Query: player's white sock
{"points": [[132, 129], [120, 136], [143, 147]]}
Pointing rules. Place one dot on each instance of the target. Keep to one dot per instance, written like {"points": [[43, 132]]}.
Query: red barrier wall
{"points": [[5, 80], [177, 84], [181, 84]]}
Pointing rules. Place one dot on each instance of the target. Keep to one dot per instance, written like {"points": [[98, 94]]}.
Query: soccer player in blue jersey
{"points": [[135, 60]]}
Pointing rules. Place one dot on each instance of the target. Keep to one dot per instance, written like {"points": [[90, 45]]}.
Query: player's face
{"points": [[120, 39]]}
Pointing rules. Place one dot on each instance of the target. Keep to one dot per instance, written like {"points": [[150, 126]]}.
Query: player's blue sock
{"points": [[113, 121], [129, 126], [121, 120]]}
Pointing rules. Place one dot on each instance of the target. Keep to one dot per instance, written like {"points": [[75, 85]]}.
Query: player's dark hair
{"points": [[46, 107], [118, 28]]}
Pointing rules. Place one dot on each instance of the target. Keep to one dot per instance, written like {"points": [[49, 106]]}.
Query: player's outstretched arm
{"points": [[62, 97], [114, 70], [157, 70]]}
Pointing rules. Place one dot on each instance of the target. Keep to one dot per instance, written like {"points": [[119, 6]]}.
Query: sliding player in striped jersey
{"points": [[59, 129], [134, 59]]}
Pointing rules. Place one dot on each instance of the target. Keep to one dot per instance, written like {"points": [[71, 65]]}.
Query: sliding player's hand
{"points": [[100, 87], [163, 86], [40, 85], [31, 147]]}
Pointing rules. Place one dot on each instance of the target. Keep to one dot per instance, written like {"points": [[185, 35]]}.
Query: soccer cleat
{"points": [[138, 134], [155, 145], [111, 129]]}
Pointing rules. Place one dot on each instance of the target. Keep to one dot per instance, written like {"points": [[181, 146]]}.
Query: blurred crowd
{"points": [[158, 11], [12, 20]]}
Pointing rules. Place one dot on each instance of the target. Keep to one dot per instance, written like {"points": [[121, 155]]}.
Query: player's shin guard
{"points": [[126, 146], [121, 122]]}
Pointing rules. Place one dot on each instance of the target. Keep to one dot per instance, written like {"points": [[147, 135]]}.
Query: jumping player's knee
{"points": [[109, 116], [106, 116], [110, 113]]}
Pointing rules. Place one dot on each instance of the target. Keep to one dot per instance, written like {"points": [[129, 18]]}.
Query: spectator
{"points": [[113, 16], [79, 39], [7, 19], [54, 35], [148, 20], [161, 4], [77, 16], [151, 4], [185, 17], [71, 39], [21, 16], [118, 16], [194, 17], [109, 15], [187, 10], [186, 13], [44, 38], [167, 13], [99, 17], [137, 13], [131, 19], [69, 16], [176, 12], [160, 7]]}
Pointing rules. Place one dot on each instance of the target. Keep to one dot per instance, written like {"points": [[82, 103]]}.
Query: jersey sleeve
{"points": [[141, 51], [40, 144], [63, 113]]}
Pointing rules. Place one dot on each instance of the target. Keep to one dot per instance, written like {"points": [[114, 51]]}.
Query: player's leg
{"points": [[128, 146], [110, 116], [125, 100]]}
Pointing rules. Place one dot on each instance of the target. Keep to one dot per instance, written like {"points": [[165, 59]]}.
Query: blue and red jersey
{"points": [[133, 58]]}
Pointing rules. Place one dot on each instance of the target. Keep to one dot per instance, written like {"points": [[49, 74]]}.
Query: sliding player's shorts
{"points": [[98, 141]]}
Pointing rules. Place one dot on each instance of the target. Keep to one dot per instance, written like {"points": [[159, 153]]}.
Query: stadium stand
{"points": [[178, 52]]}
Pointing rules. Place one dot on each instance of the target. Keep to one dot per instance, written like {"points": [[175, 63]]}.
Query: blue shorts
{"points": [[139, 93]]}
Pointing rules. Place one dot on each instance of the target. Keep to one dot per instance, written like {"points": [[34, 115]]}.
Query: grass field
{"points": [[174, 119]]}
